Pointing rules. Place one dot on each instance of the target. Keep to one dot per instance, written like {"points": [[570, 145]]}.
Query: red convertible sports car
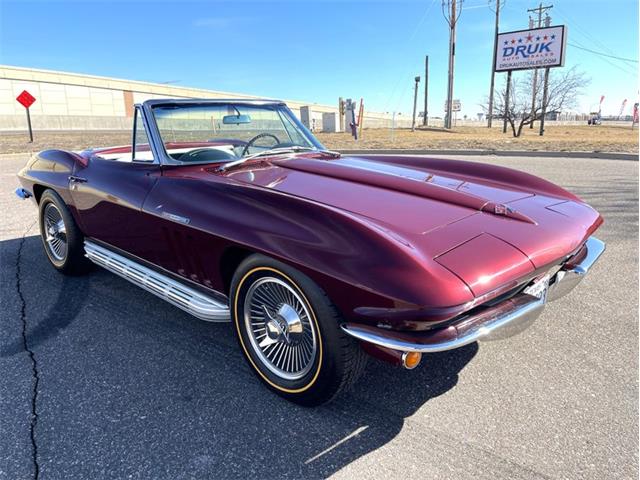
{"points": [[233, 211]]}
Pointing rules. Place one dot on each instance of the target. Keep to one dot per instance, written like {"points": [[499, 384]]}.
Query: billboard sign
{"points": [[455, 107], [533, 48]]}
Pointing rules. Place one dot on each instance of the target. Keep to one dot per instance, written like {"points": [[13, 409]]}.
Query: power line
{"points": [[585, 32], [624, 67], [590, 38], [472, 7], [617, 66], [603, 54], [409, 40]]}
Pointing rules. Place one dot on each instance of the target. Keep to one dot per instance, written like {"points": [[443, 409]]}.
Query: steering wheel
{"points": [[258, 137], [206, 154]]}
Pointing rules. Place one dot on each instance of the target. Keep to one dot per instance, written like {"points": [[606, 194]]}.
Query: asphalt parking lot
{"points": [[127, 386]]}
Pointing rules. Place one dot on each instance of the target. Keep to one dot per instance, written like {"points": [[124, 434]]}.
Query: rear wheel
{"points": [[289, 332], [62, 239]]}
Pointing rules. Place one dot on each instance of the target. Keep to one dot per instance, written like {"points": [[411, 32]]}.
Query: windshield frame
{"points": [[157, 143]]}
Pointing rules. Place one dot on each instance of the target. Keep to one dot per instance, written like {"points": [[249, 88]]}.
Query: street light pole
{"points": [[415, 104], [425, 119]]}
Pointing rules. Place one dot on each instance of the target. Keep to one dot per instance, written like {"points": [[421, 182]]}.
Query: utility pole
{"points": [[425, 119], [493, 65], [545, 94], [535, 81], [451, 14], [415, 104], [540, 10]]}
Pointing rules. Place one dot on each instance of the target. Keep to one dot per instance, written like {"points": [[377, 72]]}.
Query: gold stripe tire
{"points": [[337, 359]]}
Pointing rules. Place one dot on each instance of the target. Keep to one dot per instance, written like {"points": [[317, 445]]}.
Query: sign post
{"points": [[350, 108], [506, 102], [456, 105], [360, 117], [26, 100], [545, 99]]}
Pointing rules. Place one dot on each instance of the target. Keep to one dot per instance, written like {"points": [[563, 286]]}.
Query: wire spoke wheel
{"points": [[279, 327], [55, 232], [289, 332]]}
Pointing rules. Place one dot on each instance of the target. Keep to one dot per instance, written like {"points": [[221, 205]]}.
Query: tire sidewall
{"points": [[319, 384], [74, 258]]}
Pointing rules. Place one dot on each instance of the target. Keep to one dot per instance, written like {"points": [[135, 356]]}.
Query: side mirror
{"points": [[236, 119]]}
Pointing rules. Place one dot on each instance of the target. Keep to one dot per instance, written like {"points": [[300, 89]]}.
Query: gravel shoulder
{"points": [[556, 139]]}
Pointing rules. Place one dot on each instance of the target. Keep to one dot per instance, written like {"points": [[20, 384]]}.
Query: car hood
{"points": [[487, 231]]}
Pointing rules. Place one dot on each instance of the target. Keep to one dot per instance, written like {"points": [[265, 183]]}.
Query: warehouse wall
{"points": [[60, 106], [68, 101]]}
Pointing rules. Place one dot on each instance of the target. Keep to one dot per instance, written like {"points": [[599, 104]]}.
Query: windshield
{"points": [[226, 132]]}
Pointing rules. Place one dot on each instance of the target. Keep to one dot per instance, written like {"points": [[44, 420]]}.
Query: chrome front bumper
{"points": [[567, 279], [503, 320]]}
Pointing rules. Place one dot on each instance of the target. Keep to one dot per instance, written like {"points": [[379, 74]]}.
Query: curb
{"points": [[499, 153]]}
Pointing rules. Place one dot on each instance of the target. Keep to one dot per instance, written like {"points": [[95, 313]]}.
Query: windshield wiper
{"points": [[276, 151]]}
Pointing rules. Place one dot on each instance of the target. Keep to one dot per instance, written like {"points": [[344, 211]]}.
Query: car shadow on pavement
{"points": [[56, 315], [131, 386]]}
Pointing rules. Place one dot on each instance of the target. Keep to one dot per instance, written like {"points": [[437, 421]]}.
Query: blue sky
{"points": [[312, 50]]}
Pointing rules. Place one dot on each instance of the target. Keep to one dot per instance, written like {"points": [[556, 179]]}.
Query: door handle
{"points": [[74, 179]]}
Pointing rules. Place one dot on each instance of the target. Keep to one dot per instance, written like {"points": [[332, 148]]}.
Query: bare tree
{"points": [[563, 93]]}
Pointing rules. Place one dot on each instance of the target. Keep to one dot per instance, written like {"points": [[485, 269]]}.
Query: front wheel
{"points": [[289, 332], [62, 239]]}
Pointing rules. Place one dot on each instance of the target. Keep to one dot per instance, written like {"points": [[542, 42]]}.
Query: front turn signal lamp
{"points": [[410, 360]]}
